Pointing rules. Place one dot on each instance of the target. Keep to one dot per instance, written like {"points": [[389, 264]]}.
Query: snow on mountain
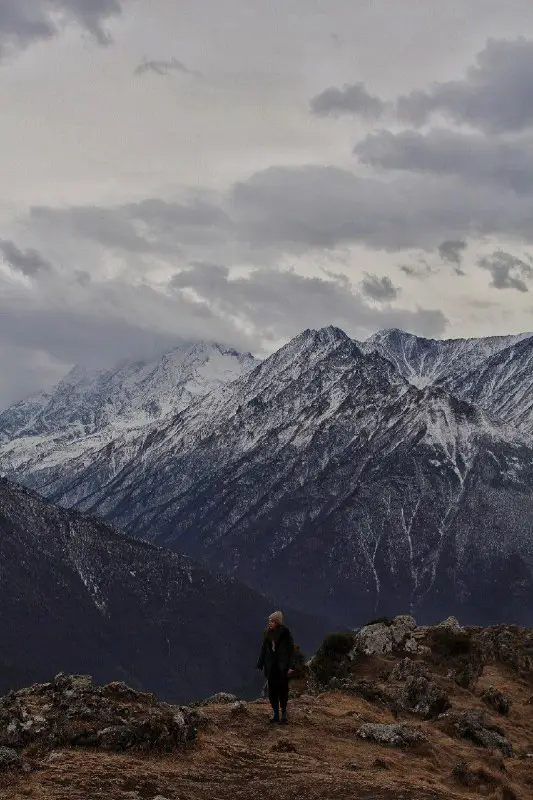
{"points": [[502, 384], [77, 595], [326, 477], [89, 408], [426, 361]]}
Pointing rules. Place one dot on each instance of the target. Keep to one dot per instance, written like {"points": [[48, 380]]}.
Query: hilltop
{"points": [[454, 704]]}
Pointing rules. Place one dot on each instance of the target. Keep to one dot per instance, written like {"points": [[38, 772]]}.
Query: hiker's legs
{"points": [[283, 691], [273, 694]]}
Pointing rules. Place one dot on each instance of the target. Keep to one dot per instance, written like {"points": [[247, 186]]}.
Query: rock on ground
{"points": [[396, 735], [474, 725], [496, 700]]}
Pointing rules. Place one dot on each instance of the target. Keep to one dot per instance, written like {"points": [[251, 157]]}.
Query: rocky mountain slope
{"points": [[77, 595], [89, 408], [325, 477], [375, 717], [424, 362], [495, 374]]}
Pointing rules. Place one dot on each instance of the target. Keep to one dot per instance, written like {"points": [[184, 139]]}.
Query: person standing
{"points": [[277, 660]]}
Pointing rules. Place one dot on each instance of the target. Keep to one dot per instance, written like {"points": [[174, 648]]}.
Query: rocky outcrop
{"points": [[509, 644], [9, 759], [395, 735], [71, 711], [383, 637]]}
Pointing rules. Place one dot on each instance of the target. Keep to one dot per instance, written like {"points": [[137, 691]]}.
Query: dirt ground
{"points": [[317, 757]]}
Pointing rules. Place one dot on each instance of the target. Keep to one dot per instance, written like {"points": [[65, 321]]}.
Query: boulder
{"points": [[373, 640], [220, 698], [395, 735], [422, 696]]}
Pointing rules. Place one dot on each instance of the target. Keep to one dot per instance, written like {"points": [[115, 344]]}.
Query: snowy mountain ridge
{"points": [[89, 408], [325, 476]]}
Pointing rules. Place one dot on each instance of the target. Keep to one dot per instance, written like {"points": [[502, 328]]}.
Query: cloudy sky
{"points": [[240, 171]]}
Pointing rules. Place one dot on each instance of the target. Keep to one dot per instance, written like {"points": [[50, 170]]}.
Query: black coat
{"points": [[282, 658]]}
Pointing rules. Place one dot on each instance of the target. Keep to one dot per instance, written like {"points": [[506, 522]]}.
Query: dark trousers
{"points": [[278, 691]]}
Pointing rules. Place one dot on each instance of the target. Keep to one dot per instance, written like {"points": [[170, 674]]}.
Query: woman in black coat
{"points": [[277, 661]]}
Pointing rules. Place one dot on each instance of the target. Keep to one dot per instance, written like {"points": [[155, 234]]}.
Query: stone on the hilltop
{"points": [[372, 640], [452, 623], [396, 735], [220, 698], [73, 683]]}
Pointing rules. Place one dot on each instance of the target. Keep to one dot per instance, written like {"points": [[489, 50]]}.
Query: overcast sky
{"points": [[239, 171]]}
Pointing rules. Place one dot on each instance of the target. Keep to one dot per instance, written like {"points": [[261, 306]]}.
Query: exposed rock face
{"points": [[396, 735], [475, 726], [71, 711]]}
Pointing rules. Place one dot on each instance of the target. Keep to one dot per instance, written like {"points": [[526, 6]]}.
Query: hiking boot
{"points": [[274, 719], [284, 720]]}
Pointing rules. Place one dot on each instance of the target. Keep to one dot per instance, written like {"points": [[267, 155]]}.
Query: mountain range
{"points": [[77, 595], [347, 479]]}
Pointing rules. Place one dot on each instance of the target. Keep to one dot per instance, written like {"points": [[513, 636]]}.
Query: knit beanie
{"points": [[277, 616]]}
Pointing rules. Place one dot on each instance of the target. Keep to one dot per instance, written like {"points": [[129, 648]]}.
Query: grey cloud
{"points": [[507, 271], [351, 99], [23, 22], [452, 251], [301, 208], [279, 304], [148, 226], [66, 321], [474, 157], [379, 289], [419, 270], [163, 68], [495, 95], [29, 262]]}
